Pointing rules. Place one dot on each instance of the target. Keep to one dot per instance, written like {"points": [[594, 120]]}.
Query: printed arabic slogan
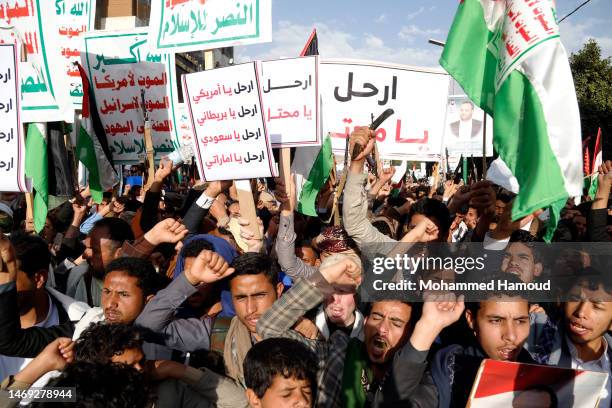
{"points": [[231, 137], [119, 67], [185, 134], [73, 18], [12, 177], [193, 25], [291, 100], [44, 95], [353, 91]]}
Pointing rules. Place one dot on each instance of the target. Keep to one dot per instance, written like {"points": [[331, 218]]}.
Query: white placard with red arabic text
{"points": [[290, 94], [226, 115], [12, 149], [44, 81], [353, 91]]}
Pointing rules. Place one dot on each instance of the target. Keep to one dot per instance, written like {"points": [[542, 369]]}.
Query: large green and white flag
{"points": [[508, 57], [36, 168]]}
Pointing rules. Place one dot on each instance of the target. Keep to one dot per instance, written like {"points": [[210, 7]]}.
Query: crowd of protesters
{"points": [[165, 297]]}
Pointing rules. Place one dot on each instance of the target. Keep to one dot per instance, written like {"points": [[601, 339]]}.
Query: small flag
{"points": [[36, 167], [92, 146], [318, 173], [61, 179], [312, 45], [597, 161]]}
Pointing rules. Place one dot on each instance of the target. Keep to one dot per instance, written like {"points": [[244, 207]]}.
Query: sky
{"points": [[397, 31]]}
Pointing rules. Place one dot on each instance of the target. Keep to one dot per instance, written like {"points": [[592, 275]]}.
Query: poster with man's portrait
{"points": [[464, 129]]}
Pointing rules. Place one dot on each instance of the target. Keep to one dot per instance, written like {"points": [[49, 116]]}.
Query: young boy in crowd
{"points": [[280, 373]]}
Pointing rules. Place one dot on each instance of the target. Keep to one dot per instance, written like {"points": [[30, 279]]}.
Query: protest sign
{"points": [[185, 134], [464, 129], [44, 87], [120, 66], [226, 114], [193, 25], [290, 95], [353, 91], [509, 384], [12, 177], [73, 18]]}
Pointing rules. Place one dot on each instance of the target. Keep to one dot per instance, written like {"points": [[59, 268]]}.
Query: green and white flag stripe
{"points": [[102, 176], [36, 168], [90, 151], [508, 57], [317, 165]]}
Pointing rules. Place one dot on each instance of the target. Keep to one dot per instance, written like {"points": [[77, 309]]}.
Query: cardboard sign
{"points": [[44, 85], [464, 130], [225, 110], [354, 91], [194, 25], [290, 94], [73, 18], [12, 148], [119, 66], [508, 384]]}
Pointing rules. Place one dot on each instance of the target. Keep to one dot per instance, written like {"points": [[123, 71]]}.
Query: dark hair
{"points": [[432, 208], [193, 248], [102, 385], [593, 279], [527, 239], [278, 356], [118, 229], [32, 252], [101, 341], [523, 236], [305, 243], [148, 280], [253, 263], [504, 195], [487, 295]]}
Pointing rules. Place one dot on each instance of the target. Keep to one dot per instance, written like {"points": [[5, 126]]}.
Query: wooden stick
{"points": [[150, 154], [247, 206], [484, 147], [285, 166], [29, 206]]}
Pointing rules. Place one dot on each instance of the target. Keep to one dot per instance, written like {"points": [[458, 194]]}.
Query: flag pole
{"points": [[29, 197], [484, 146]]}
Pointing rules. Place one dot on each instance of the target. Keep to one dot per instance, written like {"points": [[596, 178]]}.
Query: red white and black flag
{"points": [[312, 45]]}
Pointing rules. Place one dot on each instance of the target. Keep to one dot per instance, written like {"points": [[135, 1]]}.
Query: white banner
{"points": [[12, 153], [44, 85], [353, 91], [73, 18], [290, 95], [194, 25], [119, 66], [464, 129], [225, 111]]}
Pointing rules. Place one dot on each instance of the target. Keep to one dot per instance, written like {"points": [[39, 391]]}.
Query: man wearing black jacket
{"points": [[128, 284], [37, 306]]}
